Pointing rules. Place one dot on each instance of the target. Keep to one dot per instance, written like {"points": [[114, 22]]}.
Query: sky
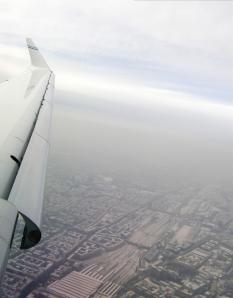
{"points": [[159, 75], [172, 45]]}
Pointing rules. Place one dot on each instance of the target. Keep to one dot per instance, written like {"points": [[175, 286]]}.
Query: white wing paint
{"points": [[25, 120]]}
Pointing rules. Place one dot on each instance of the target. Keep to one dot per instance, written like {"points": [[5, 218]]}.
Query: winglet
{"points": [[37, 59]]}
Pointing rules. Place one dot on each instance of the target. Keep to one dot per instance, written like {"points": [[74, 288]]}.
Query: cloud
{"points": [[141, 96], [182, 46]]}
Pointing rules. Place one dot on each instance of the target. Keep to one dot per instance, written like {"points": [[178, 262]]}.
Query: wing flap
{"points": [[28, 189], [27, 192]]}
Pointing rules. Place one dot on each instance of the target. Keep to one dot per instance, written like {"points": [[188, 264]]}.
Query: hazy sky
{"points": [[175, 45], [163, 65]]}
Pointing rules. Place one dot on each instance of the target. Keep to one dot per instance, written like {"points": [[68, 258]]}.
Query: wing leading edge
{"points": [[24, 147]]}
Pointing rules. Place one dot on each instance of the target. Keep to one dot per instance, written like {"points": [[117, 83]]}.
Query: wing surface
{"points": [[25, 120]]}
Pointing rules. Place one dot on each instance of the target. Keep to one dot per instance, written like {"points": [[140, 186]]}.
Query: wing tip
{"points": [[30, 43], [37, 59]]}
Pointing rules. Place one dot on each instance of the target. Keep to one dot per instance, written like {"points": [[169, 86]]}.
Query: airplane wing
{"points": [[25, 119]]}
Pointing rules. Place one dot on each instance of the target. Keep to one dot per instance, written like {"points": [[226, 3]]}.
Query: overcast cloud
{"points": [[182, 48]]}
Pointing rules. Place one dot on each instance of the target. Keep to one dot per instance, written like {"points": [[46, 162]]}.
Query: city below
{"points": [[106, 237]]}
